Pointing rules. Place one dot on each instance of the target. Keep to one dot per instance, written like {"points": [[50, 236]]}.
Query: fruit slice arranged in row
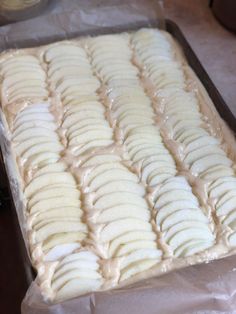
{"points": [[53, 198], [222, 192], [180, 219], [111, 59], [122, 214], [201, 152], [76, 274], [84, 119], [23, 78], [86, 126], [34, 136], [153, 49]]}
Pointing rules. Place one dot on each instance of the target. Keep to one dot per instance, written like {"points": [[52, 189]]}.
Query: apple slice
{"points": [[36, 132], [220, 189], [60, 281], [183, 214], [116, 198], [29, 125], [100, 159], [208, 161], [120, 186], [185, 235], [88, 136], [93, 144], [217, 172], [160, 178], [133, 246], [137, 267], [60, 250], [78, 116], [63, 238], [192, 247], [99, 169], [76, 264], [41, 160], [75, 287], [47, 204], [51, 168], [175, 195], [52, 192], [151, 167], [54, 227], [123, 211], [128, 237], [43, 147], [230, 219], [172, 207], [227, 196], [201, 142], [232, 239], [199, 153], [45, 180], [106, 176], [121, 226], [57, 213], [226, 207], [141, 254], [64, 49], [183, 225]]}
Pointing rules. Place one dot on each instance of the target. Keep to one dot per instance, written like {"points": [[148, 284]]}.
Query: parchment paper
{"points": [[202, 289]]}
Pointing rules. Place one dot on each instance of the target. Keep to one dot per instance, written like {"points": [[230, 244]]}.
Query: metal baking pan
{"points": [[193, 61]]}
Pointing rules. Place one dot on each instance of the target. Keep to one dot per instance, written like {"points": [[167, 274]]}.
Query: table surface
{"points": [[216, 49]]}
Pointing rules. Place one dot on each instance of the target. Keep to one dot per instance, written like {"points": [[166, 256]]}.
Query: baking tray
{"points": [[193, 61]]}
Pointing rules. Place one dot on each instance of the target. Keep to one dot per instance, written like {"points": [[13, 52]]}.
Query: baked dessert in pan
{"points": [[125, 168]]}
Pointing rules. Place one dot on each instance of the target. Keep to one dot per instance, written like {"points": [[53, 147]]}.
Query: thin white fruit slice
{"points": [[182, 226], [60, 250], [226, 207], [46, 180], [47, 204], [54, 227], [43, 147], [171, 208], [137, 267], [121, 226], [132, 246], [128, 237], [123, 211], [118, 174], [62, 238], [116, 198], [51, 168], [179, 215], [101, 168], [141, 254], [74, 273], [188, 234], [75, 287], [175, 195], [206, 162], [120, 185], [52, 192], [192, 246], [100, 159]]}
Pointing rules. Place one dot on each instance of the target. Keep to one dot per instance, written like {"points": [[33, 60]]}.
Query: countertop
{"points": [[216, 49]]}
